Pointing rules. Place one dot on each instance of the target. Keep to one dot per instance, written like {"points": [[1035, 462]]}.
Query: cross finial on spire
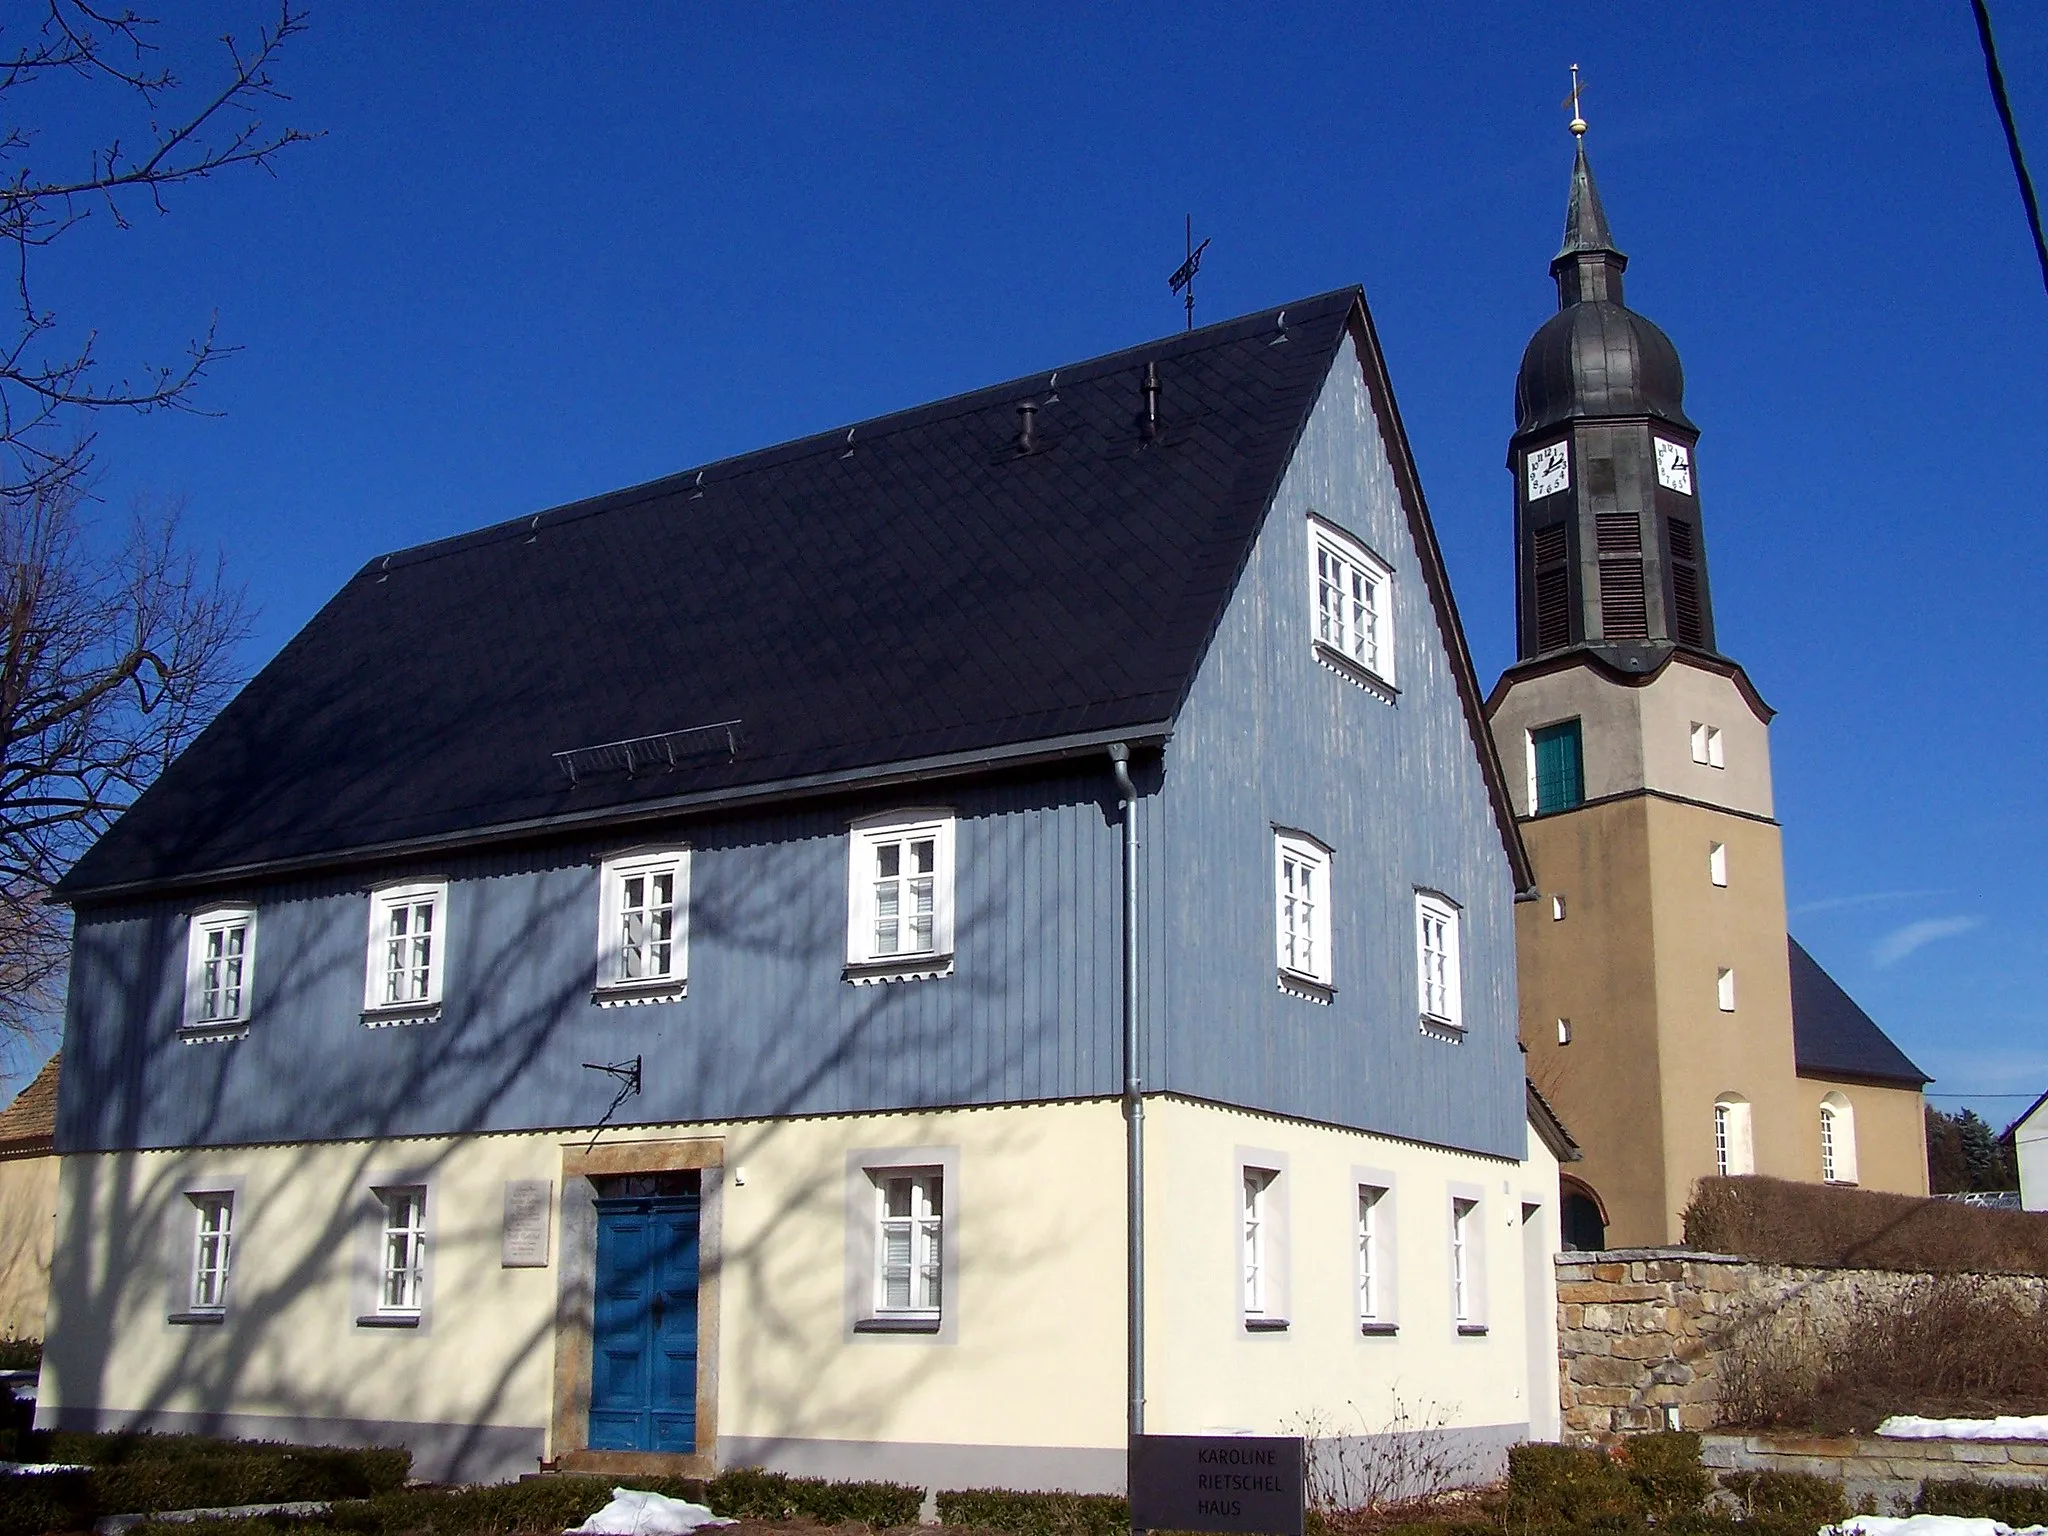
{"points": [[1578, 123]]}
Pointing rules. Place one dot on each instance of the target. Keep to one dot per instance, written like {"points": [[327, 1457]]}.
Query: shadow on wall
{"points": [[115, 1275]]}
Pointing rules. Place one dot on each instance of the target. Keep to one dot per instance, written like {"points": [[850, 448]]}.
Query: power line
{"points": [[2012, 138], [1926, 1095]]}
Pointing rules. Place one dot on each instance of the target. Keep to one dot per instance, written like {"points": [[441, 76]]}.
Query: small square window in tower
{"points": [[1557, 767]]}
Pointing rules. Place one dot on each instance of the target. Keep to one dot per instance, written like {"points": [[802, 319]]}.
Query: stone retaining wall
{"points": [[1643, 1333], [1883, 1476]]}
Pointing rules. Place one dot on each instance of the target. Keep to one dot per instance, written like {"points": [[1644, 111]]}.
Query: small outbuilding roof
{"points": [[29, 1124], [1833, 1037]]}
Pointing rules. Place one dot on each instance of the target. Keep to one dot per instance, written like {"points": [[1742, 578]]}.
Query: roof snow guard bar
{"points": [[661, 753]]}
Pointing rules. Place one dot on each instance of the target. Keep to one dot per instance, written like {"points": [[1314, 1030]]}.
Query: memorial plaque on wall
{"points": [[1218, 1483], [528, 1204]]}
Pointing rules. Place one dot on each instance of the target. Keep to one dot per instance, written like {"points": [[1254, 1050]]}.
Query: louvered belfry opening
{"points": [[1687, 611], [1550, 550], [1624, 606]]}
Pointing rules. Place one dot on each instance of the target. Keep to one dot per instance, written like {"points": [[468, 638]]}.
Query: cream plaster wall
{"points": [[1207, 1372], [28, 1224], [1699, 929], [1891, 1134], [1033, 1355], [1641, 737]]}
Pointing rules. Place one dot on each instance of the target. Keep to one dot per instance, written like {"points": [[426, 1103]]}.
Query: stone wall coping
{"points": [[1642, 1255]]}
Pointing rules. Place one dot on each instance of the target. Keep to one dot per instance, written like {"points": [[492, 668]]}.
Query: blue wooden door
{"points": [[643, 1357]]}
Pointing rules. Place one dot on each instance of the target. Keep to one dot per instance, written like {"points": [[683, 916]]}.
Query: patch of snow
{"points": [[36, 1468], [633, 1513], [2009, 1426], [1927, 1525]]}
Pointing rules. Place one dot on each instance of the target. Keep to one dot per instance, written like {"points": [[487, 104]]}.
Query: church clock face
{"points": [[1674, 467], [1550, 471]]}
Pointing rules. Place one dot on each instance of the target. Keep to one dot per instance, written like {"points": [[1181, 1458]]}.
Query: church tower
{"points": [[1656, 977]]}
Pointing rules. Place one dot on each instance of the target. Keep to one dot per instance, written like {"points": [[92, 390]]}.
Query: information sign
{"points": [[1218, 1483], [527, 1206]]}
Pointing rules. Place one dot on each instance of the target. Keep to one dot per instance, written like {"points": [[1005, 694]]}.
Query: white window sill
{"points": [[213, 1034], [1443, 1029], [388, 1320], [1294, 984], [209, 1319], [1356, 672], [894, 1324], [1471, 1330], [1373, 1328], [633, 994], [411, 1013], [1267, 1325], [868, 973]]}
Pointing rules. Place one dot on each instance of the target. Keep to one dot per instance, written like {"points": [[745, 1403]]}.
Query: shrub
{"points": [[2016, 1504], [1036, 1514], [751, 1493], [1665, 1469], [48, 1501], [1942, 1345], [1782, 1222], [20, 1354], [1797, 1498], [1553, 1485]]}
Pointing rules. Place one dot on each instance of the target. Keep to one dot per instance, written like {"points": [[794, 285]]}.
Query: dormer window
{"points": [[1352, 596]]}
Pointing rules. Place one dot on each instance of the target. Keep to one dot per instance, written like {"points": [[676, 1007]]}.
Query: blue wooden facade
{"points": [[1267, 735]]}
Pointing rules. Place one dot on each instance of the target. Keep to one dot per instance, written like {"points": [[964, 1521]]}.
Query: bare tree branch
{"points": [[113, 653], [109, 663], [45, 385]]}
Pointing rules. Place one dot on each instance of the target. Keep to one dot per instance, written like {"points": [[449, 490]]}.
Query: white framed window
{"points": [[1837, 1139], [1724, 989], [1258, 1278], [1301, 908], [1717, 863], [900, 890], [1352, 604], [910, 1214], [1706, 745], [1564, 1031], [213, 1239], [220, 967], [1464, 1218], [402, 1253], [643, 936], [1438, 978], [1734, 1151], [408, 947], [1372, 1252]]}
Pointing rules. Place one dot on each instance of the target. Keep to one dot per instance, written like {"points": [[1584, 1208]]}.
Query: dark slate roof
{"points": [[29, 1124], [908, 591], [1833, 1037]]}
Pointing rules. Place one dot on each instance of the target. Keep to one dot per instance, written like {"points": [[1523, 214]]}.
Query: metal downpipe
{"points": [[1134, 1115]]}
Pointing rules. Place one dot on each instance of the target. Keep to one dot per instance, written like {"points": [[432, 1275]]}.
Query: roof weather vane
{"points": [[1578, 123], [1184, 274]]}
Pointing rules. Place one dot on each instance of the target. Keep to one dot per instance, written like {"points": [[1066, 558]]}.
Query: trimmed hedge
{"points": [[1781, 1222], [2016, 1504], [134, 1474], [1800, 1497], [556, 1503], [1036, 1514]]}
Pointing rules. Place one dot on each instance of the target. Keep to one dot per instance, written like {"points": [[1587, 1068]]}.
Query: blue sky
{"points": [[544, 251]]}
